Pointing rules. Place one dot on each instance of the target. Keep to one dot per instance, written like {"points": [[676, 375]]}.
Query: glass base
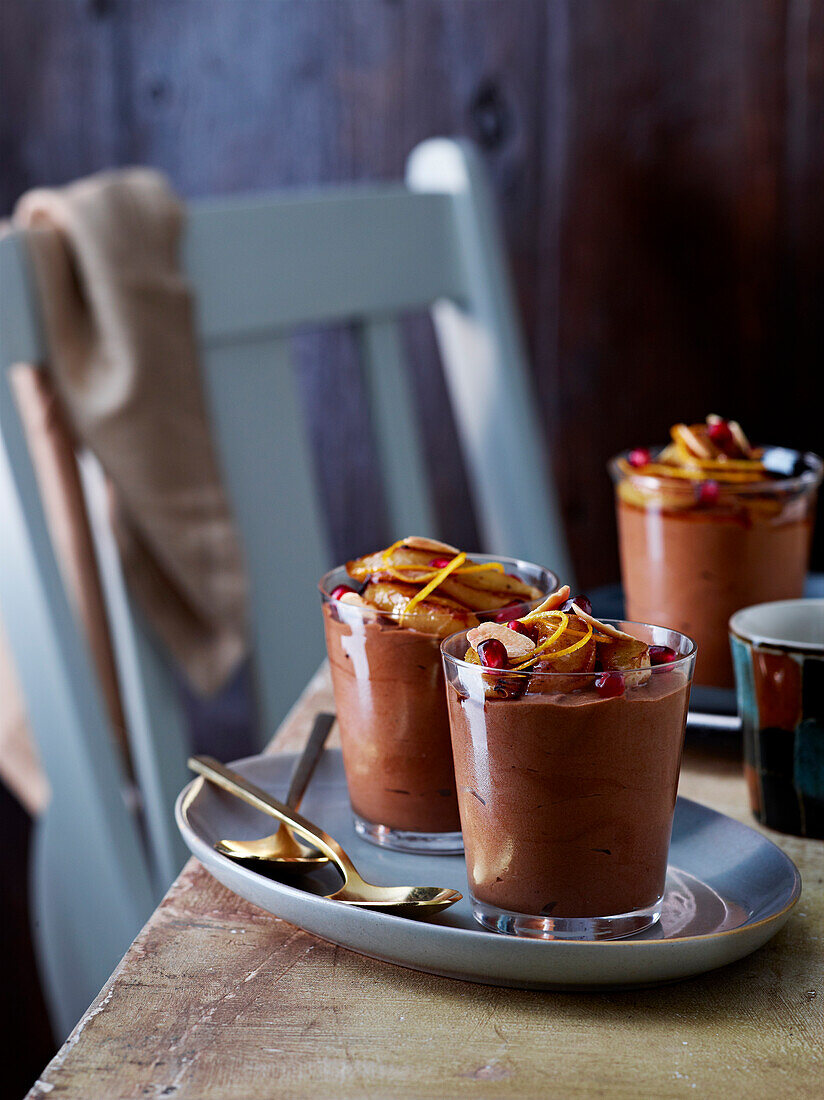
{"points": [[407, 840], [614, 927]]}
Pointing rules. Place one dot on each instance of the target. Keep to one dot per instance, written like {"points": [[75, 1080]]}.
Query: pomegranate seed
{"points": [[529, 630], [639, 457], [493, 654], [720, 434], [341, 590], [708, 492], [662, 655], [440, 563], [509, 611], [581, 601], [610, 685]]}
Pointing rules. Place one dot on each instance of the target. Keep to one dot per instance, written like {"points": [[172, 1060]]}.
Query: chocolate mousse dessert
{"points": [[385, 616], [566, 735], [711, 524]]}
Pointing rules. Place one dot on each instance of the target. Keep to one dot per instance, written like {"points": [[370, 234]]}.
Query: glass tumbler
{"points": [[391, 706], [567, 797], [691, 558]]}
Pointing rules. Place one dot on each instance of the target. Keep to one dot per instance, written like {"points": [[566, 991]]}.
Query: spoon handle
{"points": [[237, 785], [308, 760]]}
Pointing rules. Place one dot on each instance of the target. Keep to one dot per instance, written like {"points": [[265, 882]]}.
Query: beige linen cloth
{"points": [[123, 380]]}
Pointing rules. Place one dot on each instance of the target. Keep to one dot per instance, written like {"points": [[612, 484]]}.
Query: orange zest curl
{"points": [[440, 576]]}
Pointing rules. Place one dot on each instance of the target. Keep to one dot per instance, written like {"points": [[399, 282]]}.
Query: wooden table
{"points": [[216, 998]]}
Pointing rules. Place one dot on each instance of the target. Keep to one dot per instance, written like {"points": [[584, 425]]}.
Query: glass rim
{"points": [[682, 658], [553, 583], [809, 479], [773, 640]]}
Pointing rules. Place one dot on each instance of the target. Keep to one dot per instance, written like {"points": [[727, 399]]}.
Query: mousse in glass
{"points": [[711, 524], [567, 735], [385, 616]]}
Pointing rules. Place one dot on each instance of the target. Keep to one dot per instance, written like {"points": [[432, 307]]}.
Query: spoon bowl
{"points": [[420, 902], [279, 847]]}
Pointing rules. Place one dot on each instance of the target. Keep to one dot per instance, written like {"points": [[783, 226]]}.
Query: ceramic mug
{"points": [[778, 655]]}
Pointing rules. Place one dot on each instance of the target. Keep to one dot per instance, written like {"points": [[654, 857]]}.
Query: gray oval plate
{"points": [[729, 889]]}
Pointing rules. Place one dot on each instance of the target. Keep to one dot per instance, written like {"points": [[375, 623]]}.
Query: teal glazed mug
{"points": [[778, 655]]}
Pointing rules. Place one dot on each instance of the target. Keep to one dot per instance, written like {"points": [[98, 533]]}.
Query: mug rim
{"points": [[773, 641]]}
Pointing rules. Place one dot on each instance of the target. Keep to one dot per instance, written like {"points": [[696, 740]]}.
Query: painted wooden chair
{"points": [[260, 268]]}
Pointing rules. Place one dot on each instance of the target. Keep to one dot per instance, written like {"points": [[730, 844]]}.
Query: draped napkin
{"points": [[123, 380]]}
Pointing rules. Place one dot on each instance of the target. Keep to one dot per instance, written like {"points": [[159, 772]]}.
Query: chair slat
{"points": [[87, 838], [263, 447], [22, 340], [271, 265], [486, 370], [158, 737], [398, 439]]}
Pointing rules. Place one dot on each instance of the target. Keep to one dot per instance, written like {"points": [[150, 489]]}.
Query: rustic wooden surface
{"points": [[219, 999]]}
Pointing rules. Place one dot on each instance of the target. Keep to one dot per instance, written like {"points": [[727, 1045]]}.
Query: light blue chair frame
{"points": [[260, 269]]}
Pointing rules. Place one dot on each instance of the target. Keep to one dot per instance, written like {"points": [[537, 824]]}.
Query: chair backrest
{"points": [[363, 256], [261, 269]]}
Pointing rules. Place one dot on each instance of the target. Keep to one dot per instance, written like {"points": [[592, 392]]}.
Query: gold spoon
{"points": [[281, 846], [405, 901]]}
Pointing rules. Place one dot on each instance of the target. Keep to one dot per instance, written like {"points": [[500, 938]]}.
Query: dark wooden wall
{"points": [[658, 165]]}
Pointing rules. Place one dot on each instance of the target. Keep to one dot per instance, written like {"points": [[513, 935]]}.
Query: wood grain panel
{"points": [[474, 71], [59, 94], [657, 166], [671, 118]]}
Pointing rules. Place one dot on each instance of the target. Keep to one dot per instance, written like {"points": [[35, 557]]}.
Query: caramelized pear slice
{"points": [[620, 657], [518, 647], [479, 590], [555, 659], [621, 652], [432, 546], [553, 602], [690, 439], [742, 443], [434, 615], [381, 564], [487, 590]]}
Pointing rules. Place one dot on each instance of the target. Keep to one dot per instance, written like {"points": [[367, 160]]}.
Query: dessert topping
{"points": [[492, 653], [609, 685], [529, 630], [719, 432], [662, 655], [554, 601], [418, 542], [717, 449], [440, 576], [567, 641], [581, 601], [437, 594], [351, 597], [516, 646], [621, 651], [639, 457]]}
